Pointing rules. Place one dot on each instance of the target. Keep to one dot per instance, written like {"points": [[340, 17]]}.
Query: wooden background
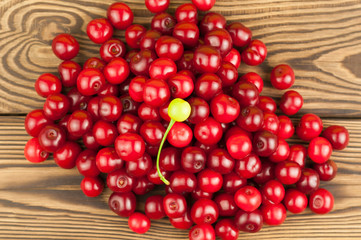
{"points": [[320, 39]]}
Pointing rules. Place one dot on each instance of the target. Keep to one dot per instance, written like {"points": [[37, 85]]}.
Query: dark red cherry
{"points": [[104, 133], [338, 136], [35, 121], [212, 21], [56, 106], [51, 138], [207, 59], [65, 156], [163, 23], [120, 181], [207, 86], [265, 143], [220, 161], [246, 93], [123, 204], [133, 35], [241, 35]]}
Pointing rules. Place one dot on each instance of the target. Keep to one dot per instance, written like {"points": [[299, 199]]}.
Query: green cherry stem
{"points": [[171, 123]]}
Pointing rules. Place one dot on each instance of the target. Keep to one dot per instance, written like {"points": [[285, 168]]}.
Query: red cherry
{"points": [[273, 192], [240, 34], [204, 5], [34, 152], [298, 154], [133, 35], [139, 223], [69, 71], [65, 156], [327, 170], [274, 214], [250, 118], [266, 174], [120, 15], [255, 53], [207, 86], [202, 232], [86, 163], [56, 106], [291, 102], [295, 201], [246, 93], [47, 84], [169, 47], [321, 201], [157, 6], [181, 86], [227, 73], [136, 88], [286, 128], [90, 81], [265, 143], [123, 204], [338, 136], [187, 33], [120, 181], [79, 123], [94, 62], [253, 78], [35, 121], [198, 194], [248, 198], [51, 138], [288, 172], [142, 185], [111, 49], [154, 207], [116, 71], [129, 146], [207, 59], [92, 186], [182, 181], [184, 222], [104, 133], [210, 181], [267, 104], [219, 39], [233, 57], [208, 132], [309, 181], [319, 150], [212, 21], [162, 68], [163, 23], [147, 112], [140, 167], [99, 30], [107, 160], [174, 205], [226, 205], [204, 211], [149, 39], [239, 146], [65, 46], [282, 77], [249, 166], [220, 161], [193, 159], [180, 135], [232, 182], [224, 108], [187, 13], [140, 62], [199, 110], [309, 127], [282, 152], [249, 221]]}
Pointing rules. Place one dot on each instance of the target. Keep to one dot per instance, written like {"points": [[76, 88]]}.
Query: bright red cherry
{"points": [[187, 13], [162, 68], [163, 23], [104, 133], [281, 153], [338, 136], [123, 204], [250, 118], [154, 207], [181, 86], [298, 154], [226, 205], [69, 71], [133, 35], [204, 211], [34, 152], [90, 81], [295, 201], [209, 181], [220, 161], [111, 49], [116, 71], [267, 104], [201, 232], [224, 108], [184, 222], [139, 223], [319, 150], [288, 172], [240, 34], [152, 132], [253, 78], [249, 166], [228, 74], [248, 198], [169, 47], [180, 135], [99, 30], [249, 221], [246, 93], [110, 108], [182, 181], [286, 128], [94, 62], [309, 127], [255, 53], [147, 112], [136, 87], [207, 59], [156, 92], [273, 192], [92, 186], [274, 214], [157, 6], [233, 57], [35, 121], [204, 5], [65, 46], [47, 84], [174, 205], [219, 39], [187, 33], [86, 163], [265, 143], [271, 123], [309, 181], [120, 15], [282, 77], [207, 86], [51, 138], [65, 156], [327, 170], [107, 160], [208, 132], [149, 39], [79, 123], [129, 146], [239, 146], [56, 106], [212, 21], [291, 102], [321, 201]]}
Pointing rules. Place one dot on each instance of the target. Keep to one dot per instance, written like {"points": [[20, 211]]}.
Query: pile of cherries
{"points": [[228, 164]]}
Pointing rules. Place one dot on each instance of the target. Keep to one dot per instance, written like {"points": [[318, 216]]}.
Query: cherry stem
{"points": [[171, 123]]}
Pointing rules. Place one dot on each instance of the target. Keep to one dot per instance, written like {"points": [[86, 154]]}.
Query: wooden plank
{"points": [[320, 39], [43, 201]]}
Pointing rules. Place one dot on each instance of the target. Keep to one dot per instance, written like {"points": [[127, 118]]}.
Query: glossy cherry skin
{"points": [[65, 157], [162, 68], [65, 46], [267, 104], [169, 47], [184, 222], [92, 186], [253, 78], [154, 207], [241, 35], [181, 86], [282, 152], [123, 204], [326, 171], [266, 174], [56, 106], [79, 123], [202, 232], [156, 92], [319, 150], [110, 108], [220, 161], [180, 135], [94, 62], [204, 211], [193, 159], [233, 57], [35, 121], [107, 160], [182, 181], [133, 35], [51, 138], [219, 39], [309, 127], [139, 223], [232, 182], [226, 205], [33, 152], [265, 143], [338, 136], [90, 81], [288, 172], [208, 132], [286, 128], [212, 21], [186, 62], [77, 100], [204, 5], [116, 71], [187, 33], [174, 205], [273, 192], [309, 181], [282, 77], [140, 167], [209, 180], [86, 163], [187, 13], [224, 108], [142, 186], [248, 198], [120, 15], [109, 90], [198, 194], [239, 146], [321, 201], [249, 221], [152, 132], [147, 112], [250, 119], [47, 84], [207, 59], [129, 146], [255, 53], [163, 23], [291, 102], [271, 123], [156, 6], [227, 73], [129, 105], [104, 133], [249, 166], [274, 214], [207, 86], [140, 62], [136, 87], [153, 175], [246, 93], [298, 154], [120, 181], [99, 30], [149, 39], [170, 159], [111, 49], [295, 201]]}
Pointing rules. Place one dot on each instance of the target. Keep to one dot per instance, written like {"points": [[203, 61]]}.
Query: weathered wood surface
{"points": [[320, 39]]}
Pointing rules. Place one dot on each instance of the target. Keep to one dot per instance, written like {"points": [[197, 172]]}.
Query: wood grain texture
{"points": [[320, 39], [43, 201]]}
